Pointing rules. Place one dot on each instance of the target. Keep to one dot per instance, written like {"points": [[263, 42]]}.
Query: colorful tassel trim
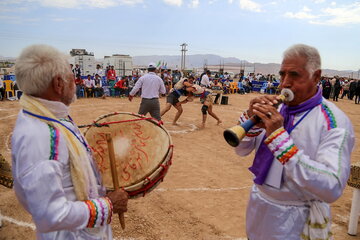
{"points": [[100, 210], [329, 116], [281, 145]]}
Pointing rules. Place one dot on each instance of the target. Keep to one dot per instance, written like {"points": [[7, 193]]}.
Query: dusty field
{"points": [[205, 193]]}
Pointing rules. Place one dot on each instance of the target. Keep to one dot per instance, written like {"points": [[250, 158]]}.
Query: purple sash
{"points": [[264, 157]]}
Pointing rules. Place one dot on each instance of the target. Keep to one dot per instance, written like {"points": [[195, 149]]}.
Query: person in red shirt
{"points": [[111, 77], [79, 86]]}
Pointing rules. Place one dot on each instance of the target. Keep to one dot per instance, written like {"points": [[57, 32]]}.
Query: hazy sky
{"points": [[254, 30]]}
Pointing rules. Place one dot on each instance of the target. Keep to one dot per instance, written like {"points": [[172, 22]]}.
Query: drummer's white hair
{"points": [[36, 67], [310, 53]]}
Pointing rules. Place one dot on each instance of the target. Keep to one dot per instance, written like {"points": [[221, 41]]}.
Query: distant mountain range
{"points": [[192, 61], [2, 58], [212, 61], [230, 64]]}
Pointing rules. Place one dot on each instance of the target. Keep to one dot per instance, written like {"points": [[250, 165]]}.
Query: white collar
{"points": [[59, 109]]}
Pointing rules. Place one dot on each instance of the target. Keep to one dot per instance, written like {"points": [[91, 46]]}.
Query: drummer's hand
{"points": [[271, 118], [119, 199], [130, 97]]}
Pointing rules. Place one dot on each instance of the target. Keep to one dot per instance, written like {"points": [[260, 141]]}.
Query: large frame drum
{"points": [[142, 147]]}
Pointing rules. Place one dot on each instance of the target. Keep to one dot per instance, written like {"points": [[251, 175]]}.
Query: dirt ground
{"points": [[205, 192]]}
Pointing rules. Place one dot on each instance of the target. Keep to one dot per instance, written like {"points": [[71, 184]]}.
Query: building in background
{"points": [[123, 64], [86, 61]]}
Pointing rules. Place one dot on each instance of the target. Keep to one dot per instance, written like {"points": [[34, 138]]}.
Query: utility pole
{"points": [[183, 53], [221, 69], [205, 65]]}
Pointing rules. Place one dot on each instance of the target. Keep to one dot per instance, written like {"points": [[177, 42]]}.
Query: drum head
{"points": [[140, 147]]}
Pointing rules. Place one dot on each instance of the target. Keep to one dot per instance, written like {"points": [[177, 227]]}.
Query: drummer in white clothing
{"points": [[302, 158], [55, 177]]}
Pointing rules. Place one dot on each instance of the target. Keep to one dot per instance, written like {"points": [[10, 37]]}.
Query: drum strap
{"points": [[106, 124], [57, 121]]}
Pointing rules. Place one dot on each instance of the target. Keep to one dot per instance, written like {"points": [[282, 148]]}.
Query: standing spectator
{"points": [[176, 76], [79, 86], [352, 88], [346, 88], [165, 77], [77, 70], [205, 79], [106, 71], [337, 89], [111, 77], [332, 81], [326, 86], [72, 69], [131, 84], [99, 71], [169, 78], [357, 92], [151, 85]]}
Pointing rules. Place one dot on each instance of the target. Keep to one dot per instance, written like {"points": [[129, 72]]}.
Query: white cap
{"points": [[152, 65]]}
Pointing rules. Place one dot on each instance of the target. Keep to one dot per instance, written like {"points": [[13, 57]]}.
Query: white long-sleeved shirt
{"points": [[100, 72], [151, 85], [42, 180], [205, 81], [318, 171], [89, 83]]}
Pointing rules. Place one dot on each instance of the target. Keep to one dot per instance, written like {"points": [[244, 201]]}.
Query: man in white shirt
{"points": [[303, 153], [151, 85], [99, 71], [205, 81], [55, 178], [89, 86]]}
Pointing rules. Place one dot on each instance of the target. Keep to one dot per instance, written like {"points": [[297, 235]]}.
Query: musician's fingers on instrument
{"points": [[271, 100], [264, 111], [260, 114], [260, 111]]}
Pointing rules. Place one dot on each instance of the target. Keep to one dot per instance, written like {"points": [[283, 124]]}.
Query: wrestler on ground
{"points": [[302, 159], [181, 88], [55, 178]]}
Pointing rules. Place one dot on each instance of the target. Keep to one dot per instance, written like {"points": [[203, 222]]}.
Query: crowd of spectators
{"points": [[105, 82], [333, 87]]}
